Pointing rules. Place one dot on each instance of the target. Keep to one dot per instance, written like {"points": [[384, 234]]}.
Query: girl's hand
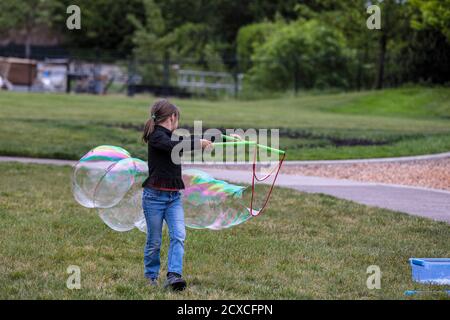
{"points": [[206, 144]]}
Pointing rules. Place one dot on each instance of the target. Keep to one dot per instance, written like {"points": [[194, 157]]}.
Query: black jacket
{"points": [[162, 171]]}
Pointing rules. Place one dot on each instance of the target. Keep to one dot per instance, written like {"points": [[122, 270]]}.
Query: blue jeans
{"points": [[158, 206]]}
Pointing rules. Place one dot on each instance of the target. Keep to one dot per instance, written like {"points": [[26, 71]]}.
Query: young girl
{"points": [[161, 196]]}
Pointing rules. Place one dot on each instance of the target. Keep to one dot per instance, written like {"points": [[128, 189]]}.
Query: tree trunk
{"points": [[29, 26], [27, 45], [381, 60], [296, 76], [359, 72], [166, 73]]}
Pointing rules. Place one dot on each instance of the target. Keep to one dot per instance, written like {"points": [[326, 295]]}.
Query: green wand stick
{"points": [[277, 151]]}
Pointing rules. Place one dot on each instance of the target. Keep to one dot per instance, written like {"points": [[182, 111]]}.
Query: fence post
{"points": [[296, 80], [166, 75], [359, 71], [236, 79], [68, 79], [130, 85], [30, 70]]}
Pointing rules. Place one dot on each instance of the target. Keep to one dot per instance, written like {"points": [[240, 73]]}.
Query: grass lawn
{"points": [[394, 122], [303, 247]]}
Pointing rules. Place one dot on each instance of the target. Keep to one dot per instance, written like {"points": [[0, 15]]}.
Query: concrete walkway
{"points": [[429, 203], [55, 162]]}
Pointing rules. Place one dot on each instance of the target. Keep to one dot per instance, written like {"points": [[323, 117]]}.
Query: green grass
{"points": [[394, 122], [410, 103], [303, 247]]}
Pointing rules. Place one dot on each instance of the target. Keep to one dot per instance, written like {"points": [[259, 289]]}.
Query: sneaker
{"points": [[175, 281], [152, 282]]}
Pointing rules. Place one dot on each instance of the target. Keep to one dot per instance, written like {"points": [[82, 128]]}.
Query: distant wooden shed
{"points": [[18, 71]]}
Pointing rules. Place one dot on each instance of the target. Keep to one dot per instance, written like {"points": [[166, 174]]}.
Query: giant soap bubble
{"points": [[91, 169], [109, 179], [120, 194], [211, 203]]}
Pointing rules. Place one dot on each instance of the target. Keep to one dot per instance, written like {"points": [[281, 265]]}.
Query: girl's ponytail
{"points": [[148, 129]]}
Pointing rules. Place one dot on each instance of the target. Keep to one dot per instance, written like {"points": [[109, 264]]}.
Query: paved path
{"points": [[55, 162], [430, 203]]}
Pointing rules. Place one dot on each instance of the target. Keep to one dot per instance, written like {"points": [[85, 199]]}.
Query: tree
{"points": [[309, 54], [423, 58], [350, 18], [249, 38], [189, 42], [104, 26], [394, 19], [27, 15], [224, 17], [146, 40], [432, 14]]}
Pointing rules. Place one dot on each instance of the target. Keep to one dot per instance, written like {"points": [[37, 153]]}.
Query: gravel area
{"points": [[422, 173]]}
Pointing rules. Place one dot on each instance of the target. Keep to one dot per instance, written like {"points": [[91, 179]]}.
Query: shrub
{"points": [[301, 54]]}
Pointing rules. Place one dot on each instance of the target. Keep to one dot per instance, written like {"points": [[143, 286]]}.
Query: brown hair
{"points": [[159, 112]]}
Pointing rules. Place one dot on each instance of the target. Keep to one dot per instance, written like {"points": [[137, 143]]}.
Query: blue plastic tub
{"points": [[431, 270]]}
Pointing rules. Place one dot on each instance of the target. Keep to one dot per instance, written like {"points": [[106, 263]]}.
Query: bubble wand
{"points": [[234, 140], [261, 146]]}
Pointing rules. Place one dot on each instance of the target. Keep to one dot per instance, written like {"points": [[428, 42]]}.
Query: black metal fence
{"points": [[103, 73]]}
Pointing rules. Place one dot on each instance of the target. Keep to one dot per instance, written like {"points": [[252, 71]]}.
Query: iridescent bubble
{"points": [[212, 204], [121, 188], [117, 181], [91, 168], [127, 214]]}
